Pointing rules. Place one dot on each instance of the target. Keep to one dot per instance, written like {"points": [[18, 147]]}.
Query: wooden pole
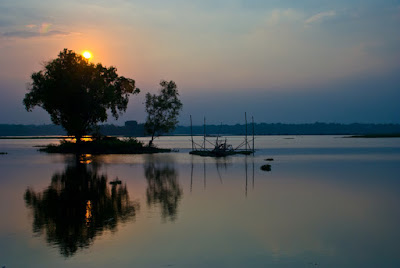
{"points": [[252, 119], [204, 134], [245, 119], [218, 134], [191, 131]]}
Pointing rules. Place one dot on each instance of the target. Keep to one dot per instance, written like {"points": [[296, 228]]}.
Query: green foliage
{"points": [[162, 110], [77, 93]]}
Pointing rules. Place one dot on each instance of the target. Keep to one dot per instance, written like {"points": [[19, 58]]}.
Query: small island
{"points": [[103, 145]]}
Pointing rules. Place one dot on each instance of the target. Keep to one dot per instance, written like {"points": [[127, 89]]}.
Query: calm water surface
{"points": [[327, 202]]}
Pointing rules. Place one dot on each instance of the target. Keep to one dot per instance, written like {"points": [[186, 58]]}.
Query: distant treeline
{"points": [[31, 130], [132, 128], [293, 129]]}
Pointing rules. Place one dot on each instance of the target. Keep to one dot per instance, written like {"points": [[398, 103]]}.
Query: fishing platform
{"points": [[221, 148]]}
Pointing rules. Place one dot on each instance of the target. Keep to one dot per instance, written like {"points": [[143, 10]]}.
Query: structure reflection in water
{"points": [[77, 206], [225, 163], [163, 187]]}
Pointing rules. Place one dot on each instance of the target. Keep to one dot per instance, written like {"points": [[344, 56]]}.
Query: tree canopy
{"points": [[162, 110], [77, 94]]}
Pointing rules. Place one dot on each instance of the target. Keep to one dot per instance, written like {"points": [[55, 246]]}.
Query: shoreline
{"points": [[371, 136]]}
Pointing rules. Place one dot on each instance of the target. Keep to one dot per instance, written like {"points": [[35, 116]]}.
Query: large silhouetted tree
{"points": [[162, 110], [77, 94]]}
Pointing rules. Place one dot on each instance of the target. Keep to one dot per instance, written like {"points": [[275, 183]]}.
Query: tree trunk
{"points": [[78, 139], [152, 138]]}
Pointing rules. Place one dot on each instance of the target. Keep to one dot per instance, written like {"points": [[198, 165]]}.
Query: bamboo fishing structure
{"points": [[221, 149]]}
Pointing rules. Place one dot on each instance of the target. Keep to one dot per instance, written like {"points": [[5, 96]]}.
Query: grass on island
{"points": [[395, 135], [104, 145]]}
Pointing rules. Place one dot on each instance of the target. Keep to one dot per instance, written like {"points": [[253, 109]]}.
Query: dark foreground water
{"points": [[327, 202]]}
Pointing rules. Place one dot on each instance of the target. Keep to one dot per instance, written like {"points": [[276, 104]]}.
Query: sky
{"points": [[284, 61]]}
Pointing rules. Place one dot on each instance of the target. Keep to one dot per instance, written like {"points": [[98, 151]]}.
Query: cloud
{"points": [[320, 17], [30, 34], [281, 15], [45, 28]]}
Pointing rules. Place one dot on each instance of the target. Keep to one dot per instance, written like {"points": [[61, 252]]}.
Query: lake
{"points": [[328, 201]]}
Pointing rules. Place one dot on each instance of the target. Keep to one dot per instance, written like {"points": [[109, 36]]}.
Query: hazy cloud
{"points": [[30, 34], [283, 15], [320, 17]]}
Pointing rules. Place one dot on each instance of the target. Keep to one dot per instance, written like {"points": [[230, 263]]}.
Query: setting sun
{"points": [[87, 54]]}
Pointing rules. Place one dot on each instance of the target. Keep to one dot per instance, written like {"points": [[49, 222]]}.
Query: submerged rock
{"points": [[266, 167]]}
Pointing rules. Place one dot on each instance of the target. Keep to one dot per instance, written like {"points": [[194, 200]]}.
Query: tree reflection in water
{"points": [[78, 205], [163, 187]]}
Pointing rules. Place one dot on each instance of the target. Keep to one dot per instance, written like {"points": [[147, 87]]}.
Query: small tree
{"points": [[77, 94], [162, 110]]}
